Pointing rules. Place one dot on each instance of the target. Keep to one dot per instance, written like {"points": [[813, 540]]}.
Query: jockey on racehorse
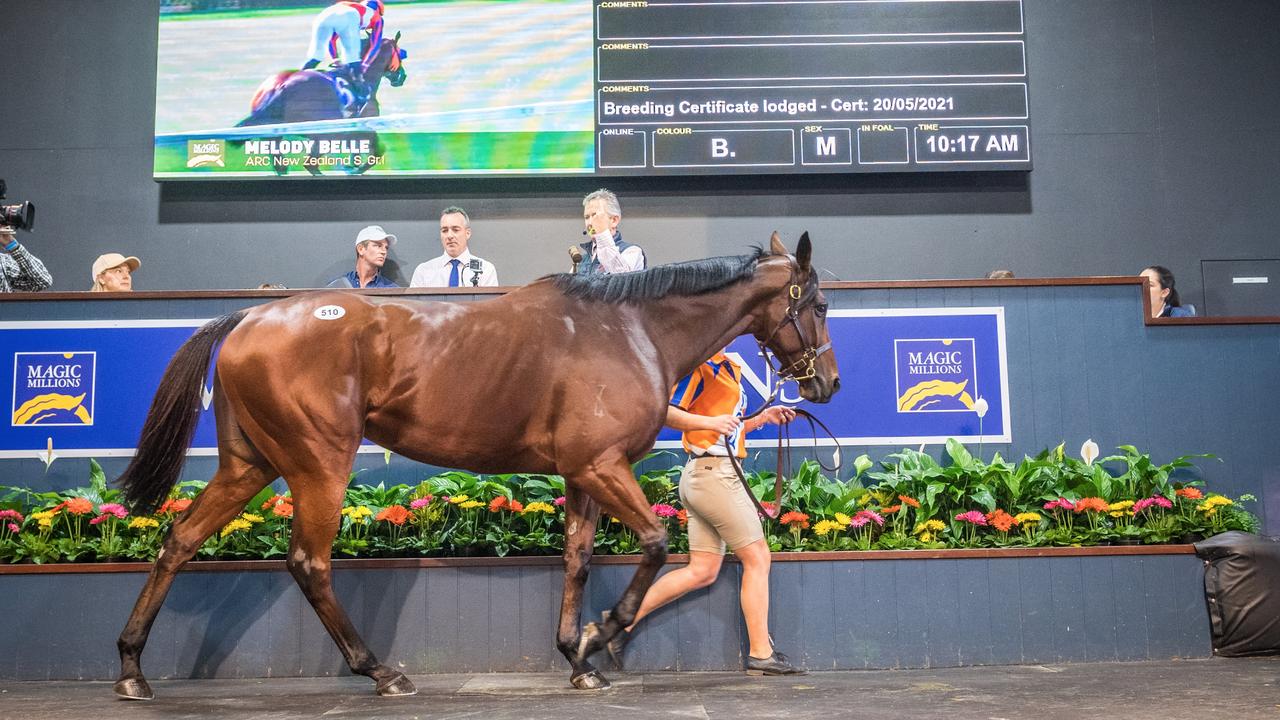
{"points": [[338, 27]]}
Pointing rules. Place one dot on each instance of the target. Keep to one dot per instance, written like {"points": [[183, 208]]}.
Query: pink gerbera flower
{"points": [[113, 509], [559, 501], [974, 517], [421, 503], [866, 515], [663, 510]]}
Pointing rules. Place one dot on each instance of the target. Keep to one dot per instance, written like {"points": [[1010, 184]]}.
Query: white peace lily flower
{"points": [[1089, 451], [835, 458], [47, 456], [980, 407]]}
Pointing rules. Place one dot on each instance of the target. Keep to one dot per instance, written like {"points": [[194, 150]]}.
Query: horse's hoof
{"points": [[397, 686], [590, 681], [133, 689]]}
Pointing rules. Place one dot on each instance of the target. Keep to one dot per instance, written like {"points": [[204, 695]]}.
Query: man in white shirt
{"points": [[457, 267], [606, 252]]}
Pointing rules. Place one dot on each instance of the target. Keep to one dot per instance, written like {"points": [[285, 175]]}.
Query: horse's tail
{"points": [[171, 423]]}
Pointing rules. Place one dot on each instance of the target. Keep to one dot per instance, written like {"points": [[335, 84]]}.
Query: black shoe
{"points": [[618, 645], [775, 664]]}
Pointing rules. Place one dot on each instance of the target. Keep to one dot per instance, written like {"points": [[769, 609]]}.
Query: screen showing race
{"points": [[302, 88]]}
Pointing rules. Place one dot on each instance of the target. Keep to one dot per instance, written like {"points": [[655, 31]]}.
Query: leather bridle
{"points": [[802, 368]]}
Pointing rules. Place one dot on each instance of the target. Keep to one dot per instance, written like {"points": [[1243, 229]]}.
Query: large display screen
{"points": [[305, 88]]}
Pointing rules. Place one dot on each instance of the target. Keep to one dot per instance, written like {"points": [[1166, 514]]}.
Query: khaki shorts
{"points": [[719, 510]]}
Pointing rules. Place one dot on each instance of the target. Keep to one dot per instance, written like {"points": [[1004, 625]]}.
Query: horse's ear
{"points": [[775, 245], [804, 251], [397, 38]]}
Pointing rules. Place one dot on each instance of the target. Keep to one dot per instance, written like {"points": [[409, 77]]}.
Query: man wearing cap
{"points": [[371, 254], [20, 271], [457, 267], [113, 272]]}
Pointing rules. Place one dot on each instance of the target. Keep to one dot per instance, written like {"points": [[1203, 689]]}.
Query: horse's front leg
{"points": [[620, 495], [581, 513]]}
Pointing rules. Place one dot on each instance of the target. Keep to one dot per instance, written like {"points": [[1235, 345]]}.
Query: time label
{"points": [[969, 144]]}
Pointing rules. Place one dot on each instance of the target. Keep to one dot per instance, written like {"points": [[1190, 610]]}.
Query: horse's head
{"points": [[390, 61], [793, 325]]}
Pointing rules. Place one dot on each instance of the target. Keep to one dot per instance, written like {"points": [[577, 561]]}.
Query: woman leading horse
{"points": [[568, 375]]}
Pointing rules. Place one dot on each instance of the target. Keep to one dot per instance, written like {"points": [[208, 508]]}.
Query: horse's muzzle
{"points": [[819, 389]]}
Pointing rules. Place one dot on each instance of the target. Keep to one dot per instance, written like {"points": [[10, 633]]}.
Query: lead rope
{"points": [[784, 455]]}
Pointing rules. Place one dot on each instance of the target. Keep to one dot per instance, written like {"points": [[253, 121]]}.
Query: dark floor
{"points": [[1236, 689]]}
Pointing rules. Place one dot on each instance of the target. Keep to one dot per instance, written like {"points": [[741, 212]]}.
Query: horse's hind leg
{"points": [[234, 484], [317, 513], [581, 513]]}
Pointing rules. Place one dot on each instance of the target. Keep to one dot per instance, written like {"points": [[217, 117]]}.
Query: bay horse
{"points": [[568, 375], [305, 95]]}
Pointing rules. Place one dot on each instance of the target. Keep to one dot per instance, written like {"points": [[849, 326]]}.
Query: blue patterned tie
{"points": [[453, 273]]}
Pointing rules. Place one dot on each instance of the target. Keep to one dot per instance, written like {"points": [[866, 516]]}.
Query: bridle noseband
{"points": [[802, 368]]}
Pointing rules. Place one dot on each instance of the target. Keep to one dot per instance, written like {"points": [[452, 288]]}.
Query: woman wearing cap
{"points": [[113, 272]]}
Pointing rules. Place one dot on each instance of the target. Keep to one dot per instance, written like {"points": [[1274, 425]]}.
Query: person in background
{"points": [[372, 244], [113, 272], [1164, 296], [457, 267], [20, 271], [1000, 274], [606, 251]]}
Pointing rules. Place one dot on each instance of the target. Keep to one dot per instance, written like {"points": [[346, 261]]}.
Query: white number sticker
{"points": [[330, 312]]}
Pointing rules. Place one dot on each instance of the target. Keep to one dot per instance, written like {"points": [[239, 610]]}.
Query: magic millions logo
{"points": [[201, 153], [935, 375], [53, 388]]}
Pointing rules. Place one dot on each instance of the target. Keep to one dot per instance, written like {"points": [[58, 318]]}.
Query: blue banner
{"points": [[908, 376]]}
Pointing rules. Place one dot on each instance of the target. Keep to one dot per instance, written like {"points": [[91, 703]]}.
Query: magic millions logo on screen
{"points": [[936, 375], [53, 388], [203, 153]]}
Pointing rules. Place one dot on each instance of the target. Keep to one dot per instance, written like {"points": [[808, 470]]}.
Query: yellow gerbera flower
{"points": [[252, 518], [1027, 517], [143, 523], [458, 499], [235, 525], [827, 526], [1122, 505], [931, 526], [470, 504], [843, 519], [538, 507]]}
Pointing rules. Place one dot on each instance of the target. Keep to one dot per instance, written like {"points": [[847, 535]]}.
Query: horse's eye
{"points": [[820, 309]]}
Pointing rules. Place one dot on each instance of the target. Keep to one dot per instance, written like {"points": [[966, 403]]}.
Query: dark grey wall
{"points": [[829, 615], [1153, 141]]}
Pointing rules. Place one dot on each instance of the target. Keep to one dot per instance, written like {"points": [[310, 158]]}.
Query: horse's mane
{"points": [[694, 277]]}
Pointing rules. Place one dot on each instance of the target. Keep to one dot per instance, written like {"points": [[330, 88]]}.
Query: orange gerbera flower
{"points": [[1001, 520], [890, 510], [1092, 504], [78, 506], [395, 514], [497, 503], [909, 500], [284, 509], [683, 516], [176, 505], [1189, 493], [794, 519], [277, 499]]}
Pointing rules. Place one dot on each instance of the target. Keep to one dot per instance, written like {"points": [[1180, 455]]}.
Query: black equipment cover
{"points": [[1242, 587]]}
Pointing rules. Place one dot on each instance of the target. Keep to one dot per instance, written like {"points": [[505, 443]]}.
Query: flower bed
{"points": [[913, 501]]}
